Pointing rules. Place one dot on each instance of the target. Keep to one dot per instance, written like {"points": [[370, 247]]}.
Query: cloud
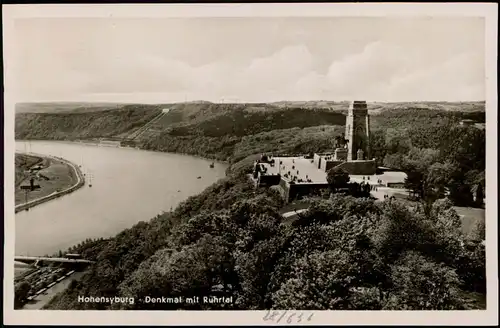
{"points": [[385, 69], [142, 73], [459, 78], [380, 72], [378, 62]]}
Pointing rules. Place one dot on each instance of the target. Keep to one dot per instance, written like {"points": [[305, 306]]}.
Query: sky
{"points": [[250, 59]]}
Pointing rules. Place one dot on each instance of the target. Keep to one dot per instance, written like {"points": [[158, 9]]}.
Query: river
{"points": [[128, 186]]}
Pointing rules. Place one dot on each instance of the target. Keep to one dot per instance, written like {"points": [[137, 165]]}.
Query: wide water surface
{"points": [[128, 186]]}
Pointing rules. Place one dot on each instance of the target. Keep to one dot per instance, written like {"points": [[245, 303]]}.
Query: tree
{"points": [[460, 193], [329, 262], [421, 284], [254, 270], [479, 195], [400, 229], [190, 272], [471, 267], [377, 145], [465, 146], [479, 231], [337, 178], [416, 164], [438, 177], [414, 181], [319, 281], [21, 291], [395, 161], [397, 141]]}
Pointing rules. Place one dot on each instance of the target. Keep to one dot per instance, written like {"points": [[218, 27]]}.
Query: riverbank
{"points": [[54, 161], [92, 142], [96, 143]]}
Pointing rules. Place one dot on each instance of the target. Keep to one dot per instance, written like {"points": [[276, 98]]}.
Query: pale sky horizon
{"points": [[251, 59]]}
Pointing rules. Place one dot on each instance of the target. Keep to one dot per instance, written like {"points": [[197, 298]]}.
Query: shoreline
{"points": [[80, 183], [97, 144]]}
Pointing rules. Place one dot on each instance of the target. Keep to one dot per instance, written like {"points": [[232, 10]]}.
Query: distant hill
{"points": [[79, 107], [64, 107], [229, 131], [70, 125], [313, 104], [472, 106], [376, 107]]}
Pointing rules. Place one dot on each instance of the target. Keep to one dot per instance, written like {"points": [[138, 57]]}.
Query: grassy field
{"points": [[470, 217], [59, 176]]}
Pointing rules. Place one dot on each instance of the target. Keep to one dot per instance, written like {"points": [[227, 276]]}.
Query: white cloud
{"points": [[459, 78], [377, 63], [435, 67]]}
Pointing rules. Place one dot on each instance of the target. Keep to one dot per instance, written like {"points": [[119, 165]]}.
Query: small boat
{"points": [[212, 165], [199, 177]]}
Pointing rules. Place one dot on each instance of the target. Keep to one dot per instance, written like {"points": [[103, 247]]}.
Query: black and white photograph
{"points": [[290, 163]]}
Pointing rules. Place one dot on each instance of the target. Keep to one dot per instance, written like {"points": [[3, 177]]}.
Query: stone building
{"points": [[467, 122], [352, 151], [357, 130], [298, 176]]}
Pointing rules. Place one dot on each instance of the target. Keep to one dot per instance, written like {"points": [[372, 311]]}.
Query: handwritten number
{"points": [[281, 316], [273, 316], [270, 316]]}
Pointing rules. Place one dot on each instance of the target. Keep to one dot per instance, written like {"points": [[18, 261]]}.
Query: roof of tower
{"points": [[358, 104]]}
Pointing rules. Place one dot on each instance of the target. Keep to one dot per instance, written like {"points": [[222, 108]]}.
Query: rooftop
{"points": [[386, 177], [358, 104], [306, 169]]}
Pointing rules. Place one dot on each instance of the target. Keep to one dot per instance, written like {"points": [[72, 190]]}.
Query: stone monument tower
{"points": [[357, 130]]}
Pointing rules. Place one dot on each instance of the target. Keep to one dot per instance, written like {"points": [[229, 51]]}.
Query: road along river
{"points": [[128, 186]]}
